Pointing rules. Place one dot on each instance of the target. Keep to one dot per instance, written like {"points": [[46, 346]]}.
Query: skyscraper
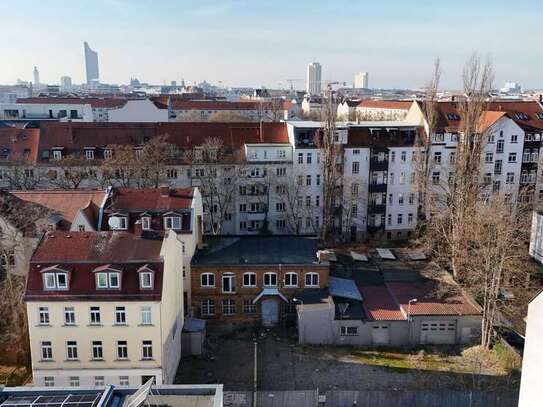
{"points": [[36, 76], [313, 78], [65, 83], [361, 80], [91, 64]]}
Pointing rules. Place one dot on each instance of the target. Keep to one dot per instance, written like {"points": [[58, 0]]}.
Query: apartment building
{"points": [[252, 110], [372, 110], [105, 308], [235, 281]]}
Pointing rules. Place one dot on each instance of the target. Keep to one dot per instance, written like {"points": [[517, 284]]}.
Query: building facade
{"points": [[91, 64], [313, 78]]}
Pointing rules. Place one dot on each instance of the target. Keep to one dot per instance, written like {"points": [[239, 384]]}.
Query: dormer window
{"points": [[107, 277], [55, 278], [172, 222], [146, 277], [198, 154], [57, 154], [89, 154], [118, 222], [146, 223], [108, 154]]}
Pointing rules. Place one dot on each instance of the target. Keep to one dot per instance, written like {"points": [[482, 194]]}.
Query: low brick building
{"points": [[253, 279]]}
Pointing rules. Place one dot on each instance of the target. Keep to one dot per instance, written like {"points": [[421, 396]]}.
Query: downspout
{"points": [[109, 191]]}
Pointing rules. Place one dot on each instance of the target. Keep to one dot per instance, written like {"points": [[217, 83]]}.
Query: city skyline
{"points": [[262, 45]]}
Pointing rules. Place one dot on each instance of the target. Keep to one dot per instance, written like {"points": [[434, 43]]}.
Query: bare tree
{"points": [[217, 172], [74, 171], [22, 175]]}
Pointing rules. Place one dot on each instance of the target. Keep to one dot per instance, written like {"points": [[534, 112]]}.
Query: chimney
{"points": [[164, 191], [261, 131]]}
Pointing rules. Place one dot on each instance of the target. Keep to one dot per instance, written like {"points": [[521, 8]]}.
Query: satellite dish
{"points": [[114, 222]]}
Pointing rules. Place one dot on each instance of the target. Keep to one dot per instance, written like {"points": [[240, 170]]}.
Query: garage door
{"points": [[380, 335], [438, 332]]}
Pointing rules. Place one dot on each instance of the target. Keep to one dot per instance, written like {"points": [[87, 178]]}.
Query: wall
{"points": [[138, 111], [532, 362]]}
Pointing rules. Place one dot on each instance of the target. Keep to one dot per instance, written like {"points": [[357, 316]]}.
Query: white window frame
{"points": [[232, 278], [96, 312], [207, 307], [311, 276], [289, 276], [207, 277], [270, 276], [146, 315], [251, 276], [147, 350], [97, 347], [71, 350], [170, 220], [120, 315], [122, 348], [74, 381], [143, 284], [46, 350], [70, 321], [228, 306], [146, 223]]}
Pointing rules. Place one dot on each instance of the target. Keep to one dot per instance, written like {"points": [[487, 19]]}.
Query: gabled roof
{"points": [[65, 203], [532, 109]]}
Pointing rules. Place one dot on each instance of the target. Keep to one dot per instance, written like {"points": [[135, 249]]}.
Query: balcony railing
{"points": [[377, 187], [530, 158], [377, 208], [528, 178], [378, 164]]}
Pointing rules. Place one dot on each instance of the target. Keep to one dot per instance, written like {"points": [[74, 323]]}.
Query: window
{"points": [[354, 189], [403, 156], [89, 154], [243, 207], [510, 178], [400, 199], [249, 307], [318, 180], [55, 281], [498, 167], [270, 279], [300, 158], [44, 316], [228, 283], [496, 186], [308, 158], [356, 151], [489, 158], [249, 279], [389, 219], [291, 280], [71, 350], [46, 351], [81, 228], [435, 178], [312, 280], [280, 207], [172, 222], [171, 173], [228, 307], [108, 154], [281, 153], [118, 222], [355, 167], [74, 381], [349, 331], [392, 156], [308, 180], [99, 381], [390, 178], [437, 157], [281, 172], [514, 138], [452, 158], [308, 201], [146, 315], [49, 381], [410, 218], [411, 199], [120, 315], [400, 219], [69, 316], [499, 146], [95, 318], [207, 308], [147, 350], [57, 154], [123, 381], [146, 279], [122, 350], [402, 178], [317, 201], [242, 225], [354, 211], [97, 350], [108, 280], [207, 280], [512, 158], [146, 223]]}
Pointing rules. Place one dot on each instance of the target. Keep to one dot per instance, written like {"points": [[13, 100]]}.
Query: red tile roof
{"points": [[65, 203], [530, 108], [151, 199], [81, 253], [386, 104], [379, 304], [19, 144], [428, 303], [102, 247]]}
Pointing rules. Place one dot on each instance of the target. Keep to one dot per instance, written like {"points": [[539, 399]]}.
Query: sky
{"points": [[266, 42]]}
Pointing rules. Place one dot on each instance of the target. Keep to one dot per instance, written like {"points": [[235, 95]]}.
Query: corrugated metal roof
{"points": [[342, 287]]}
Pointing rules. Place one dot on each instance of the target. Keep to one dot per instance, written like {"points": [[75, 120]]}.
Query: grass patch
{"points": [[510, 360], [397, 361]]}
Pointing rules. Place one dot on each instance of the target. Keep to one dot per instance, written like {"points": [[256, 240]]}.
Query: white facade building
{"points": [[361, 80], [313, 78], [139, 110], [91, 64], [36, 76]]}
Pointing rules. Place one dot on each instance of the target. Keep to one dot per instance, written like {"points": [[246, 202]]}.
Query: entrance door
{"points": [[270, 312], [379, 335]]}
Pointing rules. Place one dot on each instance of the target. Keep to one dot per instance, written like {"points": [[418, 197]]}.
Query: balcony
{"points": [[377, 208], [261, 215], [528, 178], [377, 187], [378, 165], [530, 158]]}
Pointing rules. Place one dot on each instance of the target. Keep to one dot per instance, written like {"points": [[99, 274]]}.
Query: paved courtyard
{"points": [[284, 365]]}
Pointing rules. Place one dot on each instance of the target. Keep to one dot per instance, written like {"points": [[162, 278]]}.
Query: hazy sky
{"points": [[257, 42]]}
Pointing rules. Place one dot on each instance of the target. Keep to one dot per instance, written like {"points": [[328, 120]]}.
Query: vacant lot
{"points": [[284, 365]]}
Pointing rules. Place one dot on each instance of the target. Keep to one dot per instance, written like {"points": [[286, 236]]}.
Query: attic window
{"points": [[146, 277], [146, 223], [172, 222], [108, 154], [57, 154], [89, 154], [540, 115], [118, 222], [55, 280], [452, 116], [521, 116], [108, 280]]}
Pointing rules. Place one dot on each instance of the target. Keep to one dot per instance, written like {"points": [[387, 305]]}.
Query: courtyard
{"points": [[285, 365]]}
